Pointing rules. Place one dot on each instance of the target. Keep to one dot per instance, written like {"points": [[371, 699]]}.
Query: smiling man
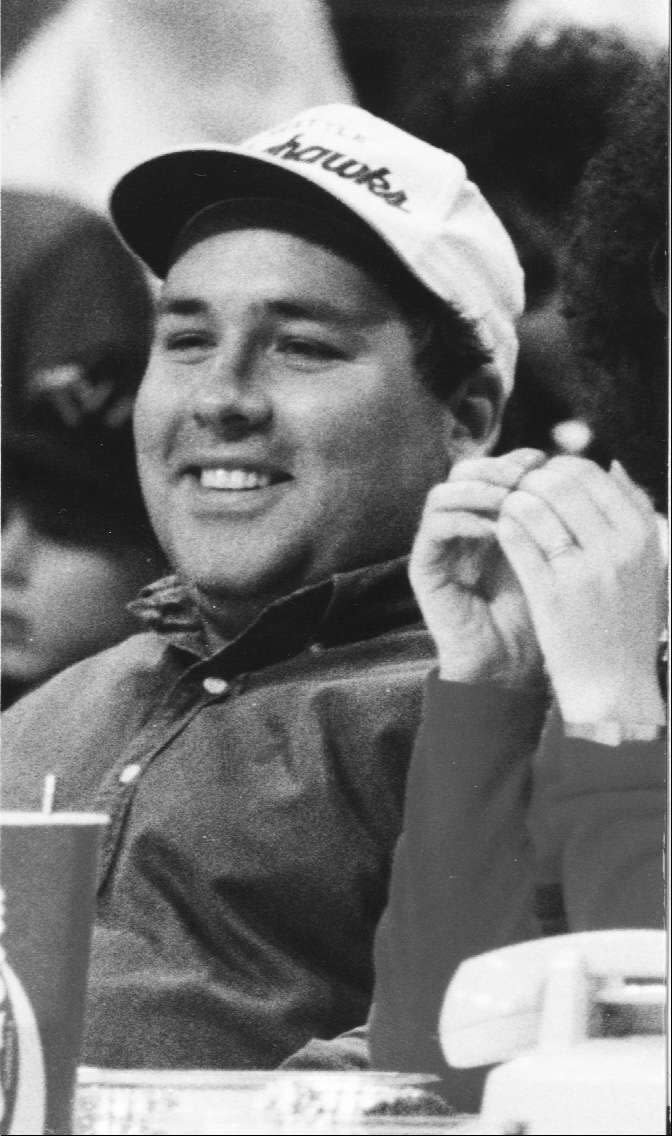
{"points": [[282, 434], [335, 330]]}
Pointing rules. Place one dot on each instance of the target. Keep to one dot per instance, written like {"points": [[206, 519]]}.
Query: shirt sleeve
{"points": [[341, 1054], [462, 879], [598, 822]]}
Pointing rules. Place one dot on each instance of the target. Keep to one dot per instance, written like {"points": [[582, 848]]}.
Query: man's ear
{"points": [[476, 410]]}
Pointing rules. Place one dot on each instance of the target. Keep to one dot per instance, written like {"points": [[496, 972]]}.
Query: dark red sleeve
{"points": [[598, 819], [462, 880]]}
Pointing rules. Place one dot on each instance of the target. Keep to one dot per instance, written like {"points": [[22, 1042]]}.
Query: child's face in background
{"points": [[61, 600]]}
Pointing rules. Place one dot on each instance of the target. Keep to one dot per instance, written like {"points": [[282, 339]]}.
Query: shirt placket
{"points": [[196, 689]]}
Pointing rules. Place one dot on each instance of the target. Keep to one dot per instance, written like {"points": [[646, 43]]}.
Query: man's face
{"points": [[282, 430]]}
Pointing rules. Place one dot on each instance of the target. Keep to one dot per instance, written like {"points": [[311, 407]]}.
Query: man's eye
{"points": [[308, 351], [185, 341]]}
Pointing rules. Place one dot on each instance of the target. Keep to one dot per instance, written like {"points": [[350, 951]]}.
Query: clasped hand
{"points": [[525, 563]]}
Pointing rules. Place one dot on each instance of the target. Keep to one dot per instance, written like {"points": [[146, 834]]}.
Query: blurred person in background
{"points": [[559, 553], [129, 78], [616, 287], [645, 24], [76, 543], [525, 116]]}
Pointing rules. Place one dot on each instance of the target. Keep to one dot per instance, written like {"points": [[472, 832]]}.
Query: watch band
{"points": [[613, 733]]}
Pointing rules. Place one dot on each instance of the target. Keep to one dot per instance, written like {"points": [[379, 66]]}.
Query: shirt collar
{"points": [[348, 607]]}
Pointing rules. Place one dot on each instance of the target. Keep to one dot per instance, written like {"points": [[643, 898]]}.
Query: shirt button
{"points": [[129, 773], [213, 685]]}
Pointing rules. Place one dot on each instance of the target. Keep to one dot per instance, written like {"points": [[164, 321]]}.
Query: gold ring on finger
{"points": [[560, 549]]}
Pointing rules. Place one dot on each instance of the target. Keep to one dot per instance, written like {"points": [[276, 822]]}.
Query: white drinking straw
{"points": [[48, 794]]}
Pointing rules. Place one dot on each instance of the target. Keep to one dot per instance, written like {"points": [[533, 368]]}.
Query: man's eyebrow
{"points": [[297, 309], [180, 306], [319, 310]]}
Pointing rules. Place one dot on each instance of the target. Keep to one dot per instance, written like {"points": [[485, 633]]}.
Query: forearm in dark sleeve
{"points": [[462, 880], [600, 811]]}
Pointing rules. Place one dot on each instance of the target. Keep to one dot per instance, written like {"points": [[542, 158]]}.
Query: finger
{"points": [[477, 496], [443, 528], [540, 522], [523, 554], [506, 470], [636, 494], [587, 500], [454, 545], [641, 500], [663, 538]]}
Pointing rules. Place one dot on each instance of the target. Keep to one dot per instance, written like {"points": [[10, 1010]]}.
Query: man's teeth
{"points": [[234, 479]]}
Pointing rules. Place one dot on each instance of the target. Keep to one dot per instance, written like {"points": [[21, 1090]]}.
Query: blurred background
{"points": [[388, 47]]}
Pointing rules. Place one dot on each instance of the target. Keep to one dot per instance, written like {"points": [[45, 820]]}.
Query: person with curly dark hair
{"points": [[616, 286], [525, 117], [529, 552]]}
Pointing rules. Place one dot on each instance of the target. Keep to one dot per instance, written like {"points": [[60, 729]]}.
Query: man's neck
{"points": [[226, 617], [225, 620]]}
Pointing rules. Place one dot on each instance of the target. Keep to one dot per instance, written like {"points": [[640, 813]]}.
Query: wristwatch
{"points": [[611, 732]]}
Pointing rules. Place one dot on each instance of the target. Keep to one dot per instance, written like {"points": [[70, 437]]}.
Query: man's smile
{"points": [[237, 473], [233, 485], [234, 480]]}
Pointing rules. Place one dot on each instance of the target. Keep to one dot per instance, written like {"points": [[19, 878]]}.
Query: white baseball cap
{"points": [[415, 197]]}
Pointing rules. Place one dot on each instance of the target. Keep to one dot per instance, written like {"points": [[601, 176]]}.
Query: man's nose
{"points": [[233, 396], [18, 547]]}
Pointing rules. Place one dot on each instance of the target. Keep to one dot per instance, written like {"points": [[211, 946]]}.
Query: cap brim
{"points": [[154, 201], [43, 456]]}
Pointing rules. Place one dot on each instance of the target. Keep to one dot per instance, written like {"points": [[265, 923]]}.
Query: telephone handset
{"points": [[578, 1021], [497, 1006]]}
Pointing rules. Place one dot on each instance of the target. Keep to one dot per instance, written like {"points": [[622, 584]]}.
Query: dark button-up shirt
{"points": [[254, 795]]}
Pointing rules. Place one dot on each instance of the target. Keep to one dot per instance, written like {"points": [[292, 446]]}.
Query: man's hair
{"points": [[616, 285], [447, 346]]}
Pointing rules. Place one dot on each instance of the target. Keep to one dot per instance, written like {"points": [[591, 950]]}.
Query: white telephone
{"points": [[579, 1018]]}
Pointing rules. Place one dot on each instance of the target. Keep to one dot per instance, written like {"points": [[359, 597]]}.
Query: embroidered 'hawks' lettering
{"points": [[376, 181]]}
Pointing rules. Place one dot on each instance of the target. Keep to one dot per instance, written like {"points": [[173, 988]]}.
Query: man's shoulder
{"points": [[107, 686], [397, 655], [81, 719]]}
